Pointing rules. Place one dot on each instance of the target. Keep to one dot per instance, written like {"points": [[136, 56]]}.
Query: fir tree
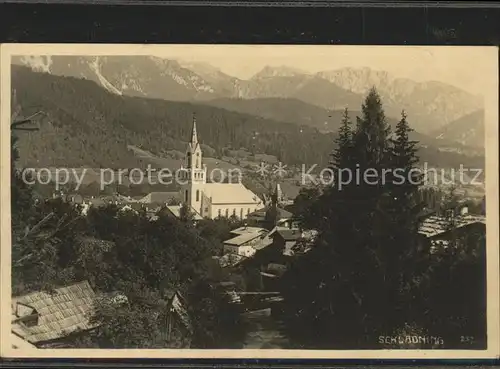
{"points": [[404, 160], [403, 263], [347, 264], [372, 132], [341, 154]]}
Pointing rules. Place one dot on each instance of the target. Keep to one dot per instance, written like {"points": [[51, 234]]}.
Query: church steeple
{"points": [[194, 174], [194, 134]]}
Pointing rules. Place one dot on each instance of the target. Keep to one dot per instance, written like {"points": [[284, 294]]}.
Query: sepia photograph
{"points": [[261, 201]]}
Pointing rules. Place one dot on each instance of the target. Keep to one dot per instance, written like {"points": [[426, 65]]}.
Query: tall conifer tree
{"points": [[342, 299], [341, 154], [404, 205]]}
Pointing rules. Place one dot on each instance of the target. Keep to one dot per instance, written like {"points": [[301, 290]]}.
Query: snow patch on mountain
{"points": [[38, 63], [94, 66], [281, 71]]}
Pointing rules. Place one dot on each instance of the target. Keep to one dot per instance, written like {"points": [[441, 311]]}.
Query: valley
{"points": [[431, 105], [87, 125]]}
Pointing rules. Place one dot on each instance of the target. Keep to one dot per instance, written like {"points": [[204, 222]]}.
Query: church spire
{"points": [[194, 135]]}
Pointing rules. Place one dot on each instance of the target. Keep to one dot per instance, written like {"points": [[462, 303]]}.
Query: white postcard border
{"points": [[492, 208]]}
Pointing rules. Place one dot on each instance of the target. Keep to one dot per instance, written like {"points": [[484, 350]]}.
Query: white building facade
{"points": [[212, 200]]}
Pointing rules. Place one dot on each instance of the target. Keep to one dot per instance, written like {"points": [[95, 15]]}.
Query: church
{"points": [[212, 200]]}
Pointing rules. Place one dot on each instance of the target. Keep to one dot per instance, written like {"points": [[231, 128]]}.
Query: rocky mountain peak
{"points": [[277, 71]]}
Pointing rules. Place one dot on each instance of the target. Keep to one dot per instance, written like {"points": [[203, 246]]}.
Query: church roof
{"points": [[230, 193]]}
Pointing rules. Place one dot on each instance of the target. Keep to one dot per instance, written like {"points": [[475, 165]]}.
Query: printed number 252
{"points": [[466, 339]]}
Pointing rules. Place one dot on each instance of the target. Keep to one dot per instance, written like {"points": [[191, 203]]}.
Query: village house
{"points": [[437, 229], [176, 211], [247, 241], [55, 319], [291, 239], [258, 217], [277, 201], [160, 198]]}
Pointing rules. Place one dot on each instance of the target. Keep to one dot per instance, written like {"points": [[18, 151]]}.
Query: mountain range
{"points": [[468, 130], [87, 125], [430, 105]]}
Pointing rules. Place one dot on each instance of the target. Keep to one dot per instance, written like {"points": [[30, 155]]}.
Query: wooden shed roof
{"points": [[60, 312]]}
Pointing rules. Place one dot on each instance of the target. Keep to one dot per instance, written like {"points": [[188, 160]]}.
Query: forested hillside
{"points": [[86, 125]]}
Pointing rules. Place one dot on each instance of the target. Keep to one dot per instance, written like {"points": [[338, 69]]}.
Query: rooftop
{"points": [[18, 343], [261, 213], [159, 197], [246, 230], [288, 234], [436, 225], [60, 313], [176, 211], [230, 193], [242, 239]]}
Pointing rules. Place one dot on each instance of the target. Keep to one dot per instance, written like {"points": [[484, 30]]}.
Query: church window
{"points": [[197, 195], [187, 195], [241, 213], [227, 213], [248, 211], [234, 212], [219, 212], [189, 159]]}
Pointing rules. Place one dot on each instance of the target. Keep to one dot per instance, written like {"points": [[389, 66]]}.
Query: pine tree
{"points": [[342, 301], [372, 132], [403, 264], [341, 154], [404, 160]]}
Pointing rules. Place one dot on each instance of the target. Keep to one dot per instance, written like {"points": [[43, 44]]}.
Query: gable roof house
{"points": [[287, 242], [50, 319], [160, 198], [436, 229], [286, 238], [259, 216], [176, 210], [247, 242]]}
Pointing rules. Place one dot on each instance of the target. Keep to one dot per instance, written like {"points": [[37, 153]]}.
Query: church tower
{"points": [[193, 173]]}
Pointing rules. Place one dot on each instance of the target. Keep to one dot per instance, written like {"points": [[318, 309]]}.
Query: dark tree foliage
{"points": [[369, 273], [217, 323], [306, 207], [89, 126], [97, 126], [116, 251], [216, 231]]}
